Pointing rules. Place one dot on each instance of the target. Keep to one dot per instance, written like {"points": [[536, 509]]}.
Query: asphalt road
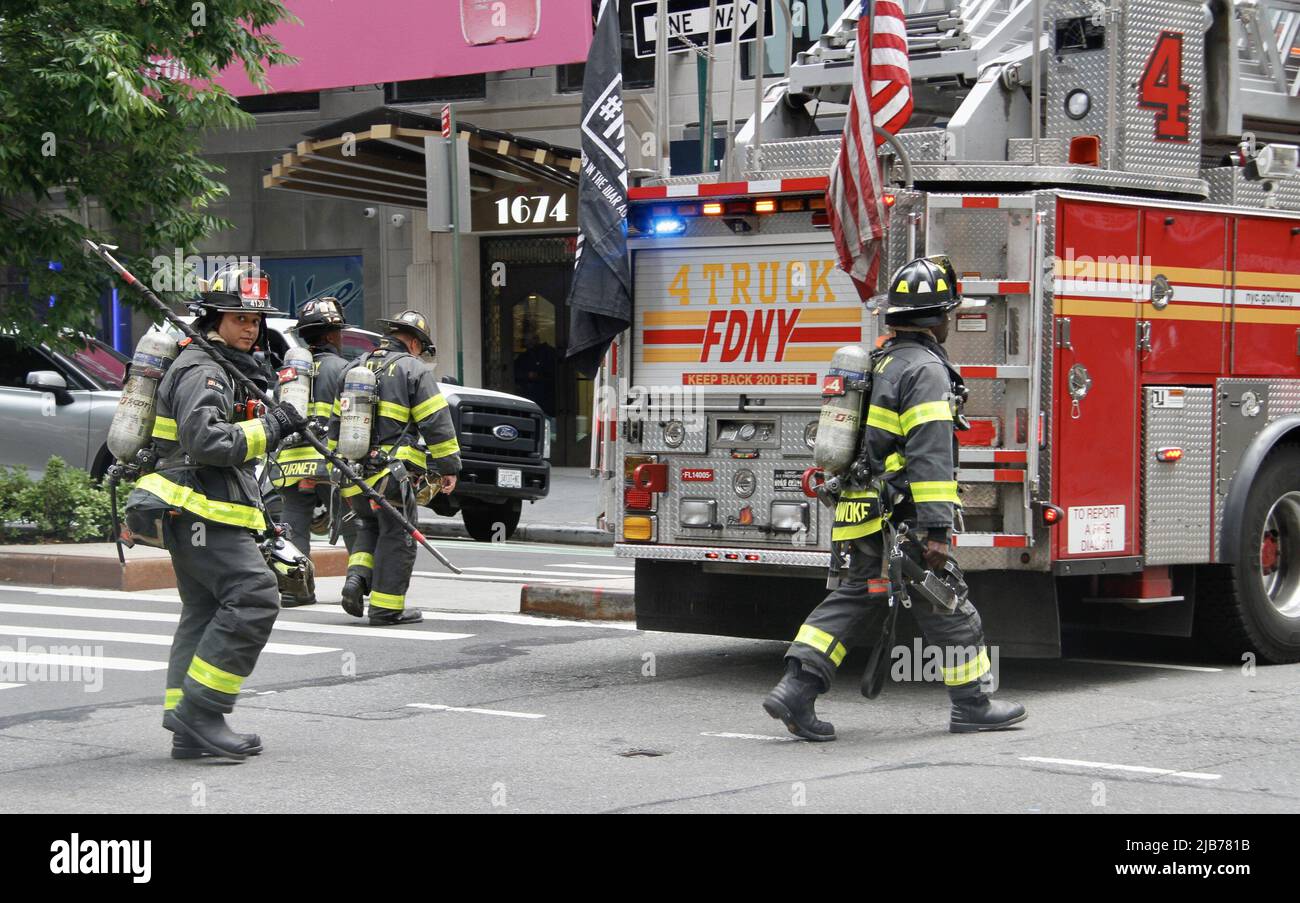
{"points": [[481, 710]]}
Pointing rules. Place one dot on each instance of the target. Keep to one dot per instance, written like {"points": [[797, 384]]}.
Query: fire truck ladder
{"points": [[1254, 56], [1018, 465]]}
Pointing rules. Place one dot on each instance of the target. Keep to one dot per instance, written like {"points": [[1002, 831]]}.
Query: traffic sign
{"points": [[690, 19]]}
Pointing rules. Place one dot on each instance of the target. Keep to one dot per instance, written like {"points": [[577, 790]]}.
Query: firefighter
{"points": [[303, 476], [409, 407], [909, 440], [204, 503]]}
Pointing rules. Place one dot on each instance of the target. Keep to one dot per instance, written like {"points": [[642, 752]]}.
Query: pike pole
{"points": [[102, 251]]}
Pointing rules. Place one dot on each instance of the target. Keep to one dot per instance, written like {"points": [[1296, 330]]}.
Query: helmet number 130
{"points": [[1163, 89]]}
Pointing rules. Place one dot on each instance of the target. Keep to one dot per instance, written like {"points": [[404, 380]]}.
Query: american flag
{"points": [[855, 197]]}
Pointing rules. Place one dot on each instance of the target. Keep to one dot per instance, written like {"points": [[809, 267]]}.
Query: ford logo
{"points": [[505, 431]]}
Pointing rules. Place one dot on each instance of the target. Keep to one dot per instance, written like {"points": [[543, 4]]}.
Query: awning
{"points": [[378, 157]]}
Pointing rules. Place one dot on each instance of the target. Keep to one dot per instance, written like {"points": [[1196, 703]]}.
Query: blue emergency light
{"points": [[668, 225]]}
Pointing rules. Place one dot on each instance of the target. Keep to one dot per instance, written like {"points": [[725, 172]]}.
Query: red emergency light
{"points": [[1169, 455], [638, 499]]}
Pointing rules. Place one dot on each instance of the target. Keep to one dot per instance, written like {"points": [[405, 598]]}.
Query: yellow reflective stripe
{"points": [[443, 449], [895, 462], [164, 428], [361, 560], [859, 494], [214, 678], [172, 698], [332, 444], [823, 642], [255, 436], [856, 531], [302, 453], [197, 503], [320, 409], [884, 419], [388, 600], [408, 453], [336, 409], [967, 672], [353, 489], [394, 411], [935, 491], [925, 413], [428, 406]]}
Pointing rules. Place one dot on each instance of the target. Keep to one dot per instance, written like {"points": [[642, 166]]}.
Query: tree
{"points": [[93, 113]]}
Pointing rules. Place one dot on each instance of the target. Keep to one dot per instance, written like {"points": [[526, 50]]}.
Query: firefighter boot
{"points": [[388, 617], [791, 701], [982, 712], [209, 729], [289, 600], [186, 747], [354, 591]]}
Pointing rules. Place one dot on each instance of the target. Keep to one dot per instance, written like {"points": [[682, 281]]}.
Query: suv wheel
{"points": [[489, 522]]}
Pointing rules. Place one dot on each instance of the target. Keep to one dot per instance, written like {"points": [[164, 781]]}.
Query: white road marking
{"points": [[488, 578], [11, 686], [104, 662], [526, 548], [729, 736], [496, 617], [90, 593], [451, 708], [1135, 769], [1107, 661], [542, 574], [289, 625], [144, 639], [594, 567]]}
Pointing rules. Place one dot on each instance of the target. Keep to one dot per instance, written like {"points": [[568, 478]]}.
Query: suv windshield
{"points": [[102, 363]]}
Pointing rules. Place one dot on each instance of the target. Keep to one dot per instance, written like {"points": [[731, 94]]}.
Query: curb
{"points": [[104, 571], [562, 534], [579, 602]]}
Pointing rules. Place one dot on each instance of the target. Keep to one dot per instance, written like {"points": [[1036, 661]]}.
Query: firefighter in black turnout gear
{"points": [[408, 408], [301, 473], [205, 504], [909, 442]]}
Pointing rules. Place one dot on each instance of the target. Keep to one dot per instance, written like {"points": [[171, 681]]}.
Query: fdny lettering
{"points": [[763, 282], [748, 332], [853, 512]]}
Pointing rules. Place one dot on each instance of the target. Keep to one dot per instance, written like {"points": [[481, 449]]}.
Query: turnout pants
{"points": [[382, 552], [229, 601], [852, 615], [300, 504]]}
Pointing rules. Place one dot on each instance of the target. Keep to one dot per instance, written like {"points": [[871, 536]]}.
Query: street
{"points": [[481, 709]]}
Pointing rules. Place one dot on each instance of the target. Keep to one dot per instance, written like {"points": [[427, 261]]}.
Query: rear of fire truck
{"points": [[1130, 269]]}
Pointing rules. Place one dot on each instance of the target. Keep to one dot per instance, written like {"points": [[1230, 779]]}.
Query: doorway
{"points": [[525, 283]]}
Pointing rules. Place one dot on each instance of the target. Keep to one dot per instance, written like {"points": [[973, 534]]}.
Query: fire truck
{"points": [[1119, 198]]}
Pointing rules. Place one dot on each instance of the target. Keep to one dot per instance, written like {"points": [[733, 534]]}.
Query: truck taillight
{"points": [[638, 499], [638, 529], [1169, 455], [984, 432]]}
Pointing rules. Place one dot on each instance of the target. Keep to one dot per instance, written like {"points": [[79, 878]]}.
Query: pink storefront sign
{"points": [[360, 42]]}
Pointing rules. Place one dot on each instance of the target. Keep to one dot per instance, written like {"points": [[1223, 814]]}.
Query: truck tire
{"points": [[1253, 605], [482, 519]]}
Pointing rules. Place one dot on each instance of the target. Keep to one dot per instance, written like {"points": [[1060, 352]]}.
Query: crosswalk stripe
{"points": [[405, 633], [595, 567], [483, 578], [532, 574], [495, 617], [11, 686], [143, 639], [102, 662]]}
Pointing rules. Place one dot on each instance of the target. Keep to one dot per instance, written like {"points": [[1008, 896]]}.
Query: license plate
{"points": [[510, 479]]}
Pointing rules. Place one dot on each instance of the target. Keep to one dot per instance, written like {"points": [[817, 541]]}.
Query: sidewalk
{"points": [[567, 515]]}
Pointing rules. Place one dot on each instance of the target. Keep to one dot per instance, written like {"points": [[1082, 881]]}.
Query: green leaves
{"points": [[64, 505], [96, 141]]}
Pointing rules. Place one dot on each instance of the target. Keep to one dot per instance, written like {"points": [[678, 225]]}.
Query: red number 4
{"points": [[1163, 88]]}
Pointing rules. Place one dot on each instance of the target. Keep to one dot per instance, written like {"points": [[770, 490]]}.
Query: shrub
{"points": [[64, 505]]}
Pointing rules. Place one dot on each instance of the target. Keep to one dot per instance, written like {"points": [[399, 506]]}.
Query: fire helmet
{"points": [[922, 292], [317, 316], [413, 322]]}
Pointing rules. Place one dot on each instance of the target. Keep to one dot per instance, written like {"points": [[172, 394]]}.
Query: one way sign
{"points": [[690, 19]]}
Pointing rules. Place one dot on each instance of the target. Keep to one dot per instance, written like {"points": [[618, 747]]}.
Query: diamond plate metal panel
{"points": [[924, 145], [1177, 496], [1083, 176], [1234, 432], [792, 433], [988, 347], [983, 243], [1070, 71], [1229, 186], [1045, 202], [800, 154], [1140, 150], [652, 438], [820, 560]]}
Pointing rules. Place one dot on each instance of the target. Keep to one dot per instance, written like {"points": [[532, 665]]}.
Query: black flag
{"points": [[600, 301]]}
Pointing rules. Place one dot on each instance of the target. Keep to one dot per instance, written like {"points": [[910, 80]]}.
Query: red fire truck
{"points": [[1130, 330]]}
